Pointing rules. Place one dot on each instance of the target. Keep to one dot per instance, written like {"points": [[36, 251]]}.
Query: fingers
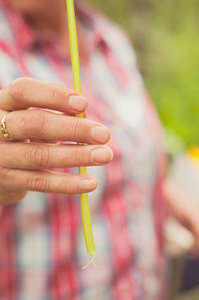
{"points": [[42, 125], [46, 182], [27, 92], [42, 156], [23, 165]]}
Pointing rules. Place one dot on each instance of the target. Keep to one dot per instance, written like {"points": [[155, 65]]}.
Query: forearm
{"points": [[182, 204]]}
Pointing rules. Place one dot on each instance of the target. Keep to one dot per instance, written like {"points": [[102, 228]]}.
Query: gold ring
{"points": [[3, 128]]}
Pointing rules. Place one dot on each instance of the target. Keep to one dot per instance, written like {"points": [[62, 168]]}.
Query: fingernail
{"points": [[78, 103], [100, 134], [88, 184], [102, 155]]}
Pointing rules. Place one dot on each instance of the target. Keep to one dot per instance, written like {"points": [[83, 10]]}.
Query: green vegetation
{"points": [[165, 35]]}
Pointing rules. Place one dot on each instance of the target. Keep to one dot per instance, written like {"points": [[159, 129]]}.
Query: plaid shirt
{"points": [[42, 248]]}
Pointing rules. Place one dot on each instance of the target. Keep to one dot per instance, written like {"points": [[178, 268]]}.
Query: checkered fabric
{"points": [[42, 248]]}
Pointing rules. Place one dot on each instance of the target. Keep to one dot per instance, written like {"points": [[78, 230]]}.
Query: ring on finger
{"points": [[3, 128]]}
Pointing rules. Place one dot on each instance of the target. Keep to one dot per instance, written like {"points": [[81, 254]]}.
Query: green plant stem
{"points": [[85, 210]]}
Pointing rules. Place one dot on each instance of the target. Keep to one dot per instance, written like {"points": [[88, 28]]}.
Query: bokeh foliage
{"points": [[165, 35]]}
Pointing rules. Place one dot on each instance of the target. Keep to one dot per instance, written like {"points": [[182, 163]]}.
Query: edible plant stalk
{"points": [[85, 210]]}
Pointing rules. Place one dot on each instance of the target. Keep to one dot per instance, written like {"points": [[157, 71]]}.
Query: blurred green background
{"points": [[165, 35]]}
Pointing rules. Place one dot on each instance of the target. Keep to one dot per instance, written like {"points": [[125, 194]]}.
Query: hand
{"points": [[25, 163], [184, 206]]}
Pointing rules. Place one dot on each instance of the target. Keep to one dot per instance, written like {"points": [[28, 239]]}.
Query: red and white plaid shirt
{"points": [[42, 248]]}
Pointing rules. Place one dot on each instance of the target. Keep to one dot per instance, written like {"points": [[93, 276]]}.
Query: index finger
{"points": [[28, 92]]}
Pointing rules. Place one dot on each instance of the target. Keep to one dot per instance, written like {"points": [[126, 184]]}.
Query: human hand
{"points": [[184, 206], [25, 161]]}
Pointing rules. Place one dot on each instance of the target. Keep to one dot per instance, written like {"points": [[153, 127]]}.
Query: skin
{"points": [[26, 160], [45, 14], [184, 207], [23, 165], [48, 17]]}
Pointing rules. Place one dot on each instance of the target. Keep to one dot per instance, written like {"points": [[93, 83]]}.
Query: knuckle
{"points": [[67, 185], [76, 128], [4, 157], [81, 156], [33, 123], [5, 178], [76, 157], [18, 89], [38, 183], [38, 156], [54, 93]]}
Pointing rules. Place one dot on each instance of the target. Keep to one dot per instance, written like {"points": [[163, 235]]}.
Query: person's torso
{"points": [[42, 243]]}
